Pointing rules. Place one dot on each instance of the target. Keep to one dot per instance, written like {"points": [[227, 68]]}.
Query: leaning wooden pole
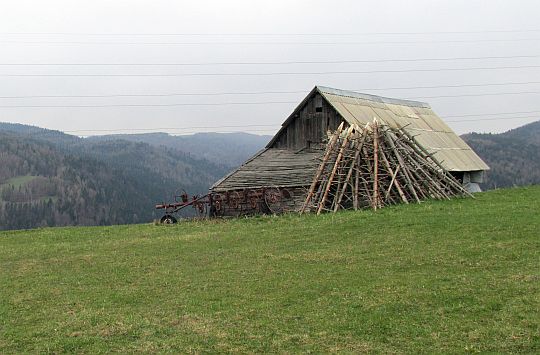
{"points": [[410, 184], [419, 148], [394, 180], [320, 170], [378, 167], [375, 131], [349, 172], [333, 174]]}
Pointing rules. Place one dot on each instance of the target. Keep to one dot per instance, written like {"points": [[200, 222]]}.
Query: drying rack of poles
{"points": [[375, 166]]}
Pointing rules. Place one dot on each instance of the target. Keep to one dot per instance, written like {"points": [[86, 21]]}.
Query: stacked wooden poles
{"points": [[375, 166]]}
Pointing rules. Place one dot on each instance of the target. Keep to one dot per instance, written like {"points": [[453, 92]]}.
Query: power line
{"points": [[152, 105], [170, 128], [157, 95], [193, 132], [266, 34], [492, 119], [296, 43], [273, 73], [265, 92], [474, 95], [120, 132], [276, 62], [490, 114], [291, 92], [245, 103], [276, 126]]}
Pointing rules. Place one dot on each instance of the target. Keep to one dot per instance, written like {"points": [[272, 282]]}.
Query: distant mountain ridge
{"points": [[231, 149], [513, 156], [48, 178]]}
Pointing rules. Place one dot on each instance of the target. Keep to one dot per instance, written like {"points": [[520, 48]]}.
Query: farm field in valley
{"points": [[442, 276]]}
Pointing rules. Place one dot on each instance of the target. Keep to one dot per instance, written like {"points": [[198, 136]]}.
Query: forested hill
{"points": [[513, 156], [48, 178], [231, 149]]}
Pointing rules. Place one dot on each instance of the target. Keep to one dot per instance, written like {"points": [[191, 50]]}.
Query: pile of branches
{"points": [[375, 166]]}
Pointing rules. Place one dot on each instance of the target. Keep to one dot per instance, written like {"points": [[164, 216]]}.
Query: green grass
{"points": [[454, 276]]}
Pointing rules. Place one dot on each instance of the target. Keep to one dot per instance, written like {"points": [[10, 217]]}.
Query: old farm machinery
{"points": [[181, 201], [266, 200]]}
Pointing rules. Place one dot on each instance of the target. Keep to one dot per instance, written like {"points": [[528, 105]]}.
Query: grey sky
{"points": [[106, 32]]}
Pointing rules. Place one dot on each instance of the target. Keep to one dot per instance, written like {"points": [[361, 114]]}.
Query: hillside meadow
{"points": [[444, 276]]}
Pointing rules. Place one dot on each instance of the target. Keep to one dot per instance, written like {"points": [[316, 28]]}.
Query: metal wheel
{"points": [[234, 200], [274, 200], [180, 196], [218, 204], [201, 209], [288, 201], [254, 197], [168, 219]]}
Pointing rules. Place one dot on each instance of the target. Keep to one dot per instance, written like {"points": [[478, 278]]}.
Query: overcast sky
{"points": [[377, 47]]}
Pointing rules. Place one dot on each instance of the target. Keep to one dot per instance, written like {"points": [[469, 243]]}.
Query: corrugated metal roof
{"points": [[374, 98], [417, 118]]}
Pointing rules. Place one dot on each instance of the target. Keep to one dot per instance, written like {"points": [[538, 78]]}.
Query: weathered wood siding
{"points": [[273, 167], [309, 125], [235, 203]]}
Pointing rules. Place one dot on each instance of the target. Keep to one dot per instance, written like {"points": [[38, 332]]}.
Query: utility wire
{"points": [[473, 95], [160, 95], [491, 114], [265, 34], [186, 130], [189, 130], [275, 126], [491, 119], [272, 43], [273, 73], [388, 60], [270, 92], [120, 131], [155, 105], [245, 103], [173, 128]]}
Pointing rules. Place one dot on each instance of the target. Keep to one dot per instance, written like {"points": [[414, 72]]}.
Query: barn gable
{"points": [[306, 127]]}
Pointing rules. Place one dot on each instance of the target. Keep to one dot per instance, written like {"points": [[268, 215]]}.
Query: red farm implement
{"points": [[198, 203], [266, 200]]}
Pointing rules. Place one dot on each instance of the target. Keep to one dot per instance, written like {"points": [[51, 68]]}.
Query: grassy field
{"points": [[18, 181], [455, 276]]}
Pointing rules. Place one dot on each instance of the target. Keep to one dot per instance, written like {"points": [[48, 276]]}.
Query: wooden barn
{"points": [[277, 178]]}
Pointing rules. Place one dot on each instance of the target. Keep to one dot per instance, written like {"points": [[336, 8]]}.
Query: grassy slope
{"points": [[18, 181], [442, 276]]}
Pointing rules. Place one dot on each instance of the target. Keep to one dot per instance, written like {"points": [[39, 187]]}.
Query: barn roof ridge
{"points": [[382, 99]]}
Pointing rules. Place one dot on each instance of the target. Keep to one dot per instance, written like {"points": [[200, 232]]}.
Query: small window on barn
{"points": [[318, 103]]}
